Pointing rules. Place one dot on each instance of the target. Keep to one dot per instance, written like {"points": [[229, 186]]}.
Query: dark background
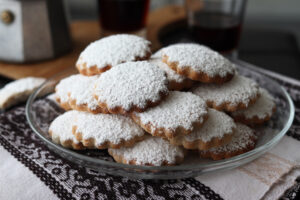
{"points": [[270, 37]]}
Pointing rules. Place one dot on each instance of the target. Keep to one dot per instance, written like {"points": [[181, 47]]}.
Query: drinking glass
{"points": [[216, 23], [123, 16]]}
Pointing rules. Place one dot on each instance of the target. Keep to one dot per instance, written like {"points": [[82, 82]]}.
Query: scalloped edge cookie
{"points": [[76, 92], [258, 113], [131, 87], [219, 152], [60, 130], [156, 120], [103, 54], [120, 131], [235, 98], [217, 130], [162, 152], [198, 63], [176, 81]]}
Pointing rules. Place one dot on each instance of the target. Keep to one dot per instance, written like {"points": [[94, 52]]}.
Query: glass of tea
{"points": [[216, 23], [123, 16]]}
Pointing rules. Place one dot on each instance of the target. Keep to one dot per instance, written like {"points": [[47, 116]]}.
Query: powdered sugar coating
{"points": [[153, 150], [107, 128], [113, 50], [199, 58], [156, 59], [131, 84], [238, 90], [179, 109], [242, 138], [217, 125], [61, 127], [79, 88], [18, 91], [262, 108]]}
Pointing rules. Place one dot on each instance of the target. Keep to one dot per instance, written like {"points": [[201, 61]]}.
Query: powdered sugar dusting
{"points": [[217, 125], [114, 50], [262, 108], [242, 138], [238, 90], [107, 128], [199, 58], [153, 150], [180, 109], [171, 75], [61, 127], [18, 90], [131, 83], [79, 88]]}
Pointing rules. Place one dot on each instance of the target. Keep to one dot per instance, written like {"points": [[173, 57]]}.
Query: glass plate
{"points": [[41, 111]]}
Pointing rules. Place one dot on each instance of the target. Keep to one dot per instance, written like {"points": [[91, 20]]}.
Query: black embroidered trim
{"points": [[54, 185], [202, 189]]}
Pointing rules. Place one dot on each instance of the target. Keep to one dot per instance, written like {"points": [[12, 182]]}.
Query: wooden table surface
{"points": [[83, 33]]}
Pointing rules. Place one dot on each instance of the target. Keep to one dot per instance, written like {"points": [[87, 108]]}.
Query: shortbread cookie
{"points": [[106, 131], [198, 62], [237, 94], [261, 111], [180, 113], [60, 130], [18, 91], [176, 81], [153, 151], [108, 52], [216, 131], [243, 140], [131, 86], [76, 92]]}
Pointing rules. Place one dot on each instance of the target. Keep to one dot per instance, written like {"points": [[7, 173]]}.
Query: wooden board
{"points": [[83, 33]]}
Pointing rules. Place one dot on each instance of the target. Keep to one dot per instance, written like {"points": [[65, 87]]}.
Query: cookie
{"points": [[153, 151], [60, 130], [18, 91], [176, 81], [198, 63], [108, 52], [258, 113], [237, 94], [131, 86], [216, 131], [76, 92], [180, 113], [243, 140], [106, 131]]}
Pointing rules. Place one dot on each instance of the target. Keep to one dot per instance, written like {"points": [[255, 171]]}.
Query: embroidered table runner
{"points": [[47, 175]]}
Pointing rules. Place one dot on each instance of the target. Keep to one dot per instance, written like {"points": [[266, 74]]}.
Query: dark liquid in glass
{"points": [[123, 15], [221, 32]]}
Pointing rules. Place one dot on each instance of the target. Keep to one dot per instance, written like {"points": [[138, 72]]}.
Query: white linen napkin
{"points": [[265, 178]]}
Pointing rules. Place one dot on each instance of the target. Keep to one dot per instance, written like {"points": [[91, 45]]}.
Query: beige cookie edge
{"points": [[224, 155], [65, 105], [121, 159], [70, 144], [228, 107], [134, 108], [200, 144], [178, 86], [85, 108], [94, 70], [255, 120], [196, 76], [166, 133], [91, 143]]}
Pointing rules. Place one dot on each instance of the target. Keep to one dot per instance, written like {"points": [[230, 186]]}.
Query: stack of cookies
{"points": [[154, 109]]}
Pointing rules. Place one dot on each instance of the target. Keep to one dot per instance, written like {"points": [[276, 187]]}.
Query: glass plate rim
{"points": [[212, 164]]}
